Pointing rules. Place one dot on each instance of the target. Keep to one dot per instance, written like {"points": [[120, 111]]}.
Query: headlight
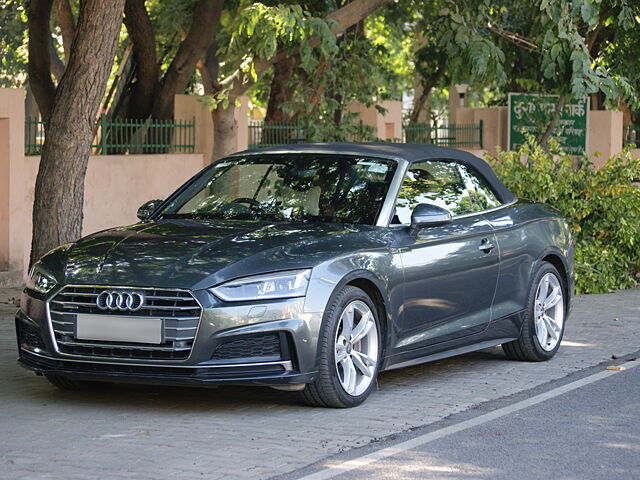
{"points": [[40, 281], [292, 283]]}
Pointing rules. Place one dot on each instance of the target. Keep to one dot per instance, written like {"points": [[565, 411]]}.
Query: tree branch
{"points": [[514, 38], [39, 68], [140, 30], [67, 26], [57, 65], [205, 19], [341, 19], [543, 139]]}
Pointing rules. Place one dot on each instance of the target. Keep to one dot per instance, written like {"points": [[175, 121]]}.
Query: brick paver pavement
{"points": [[250, 433]]}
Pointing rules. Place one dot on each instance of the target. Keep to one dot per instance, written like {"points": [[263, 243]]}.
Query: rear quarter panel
{"points": [[526, 234]]}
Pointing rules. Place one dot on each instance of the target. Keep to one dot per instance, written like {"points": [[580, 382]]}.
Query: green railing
{"points": [[452, 135], [125, 136], [632, 135], [263, 134]]}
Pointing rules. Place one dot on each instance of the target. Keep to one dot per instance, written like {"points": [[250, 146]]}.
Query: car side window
{"points": [[450, 185]]}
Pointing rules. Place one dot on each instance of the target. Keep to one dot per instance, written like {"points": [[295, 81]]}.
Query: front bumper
{"points": [[272, 374], [220, 325]]}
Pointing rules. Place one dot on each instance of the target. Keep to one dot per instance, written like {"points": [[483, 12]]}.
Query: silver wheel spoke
{"points": [[552, 299], [552, 328], [542, 332], [544, 288], [363, 327], [347, 323], [349, 375], [360, 364]]}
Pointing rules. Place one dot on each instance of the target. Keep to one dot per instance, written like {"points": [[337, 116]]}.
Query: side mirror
{"points": [[148, 208], [427, 215]]}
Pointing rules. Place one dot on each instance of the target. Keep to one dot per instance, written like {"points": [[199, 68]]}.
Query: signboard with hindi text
{"points": [[531, 113]]}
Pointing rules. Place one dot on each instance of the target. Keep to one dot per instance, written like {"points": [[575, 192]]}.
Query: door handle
{"points": [[486, 246]]}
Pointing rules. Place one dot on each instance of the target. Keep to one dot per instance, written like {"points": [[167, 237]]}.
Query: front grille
{"points": [[264, 346], [30, 336], [178, 309]]}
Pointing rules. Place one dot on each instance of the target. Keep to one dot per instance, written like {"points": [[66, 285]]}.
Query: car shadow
{"points": [[182, 399]]}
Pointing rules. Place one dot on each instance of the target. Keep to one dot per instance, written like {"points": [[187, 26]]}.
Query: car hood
{"points": [[199, 254]]}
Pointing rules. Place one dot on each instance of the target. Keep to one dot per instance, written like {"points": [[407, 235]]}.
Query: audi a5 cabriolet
{"points": [[306, 268]]}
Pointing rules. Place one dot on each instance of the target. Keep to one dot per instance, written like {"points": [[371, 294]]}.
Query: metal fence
{"points": [[263, 134], [452, 135], [125, 136], [632, 135]]}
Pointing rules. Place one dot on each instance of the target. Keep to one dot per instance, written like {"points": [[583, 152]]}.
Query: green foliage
{"points": [[13, 43], [567, 56], [170, 18], [602, 206], [390, 37], [257, 31], [348, 76]]}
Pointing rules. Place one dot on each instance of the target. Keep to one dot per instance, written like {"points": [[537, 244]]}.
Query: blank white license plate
{"points": [[113, 328]]}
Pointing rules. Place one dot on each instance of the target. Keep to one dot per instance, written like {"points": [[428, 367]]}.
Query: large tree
{"points": [[59, 191], [150, 91], [261, 37]]}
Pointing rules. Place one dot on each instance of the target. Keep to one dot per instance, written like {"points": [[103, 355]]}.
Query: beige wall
{"points": [[605, 132], [387, 126], [115, 186], [12, 207], [494, 125]]}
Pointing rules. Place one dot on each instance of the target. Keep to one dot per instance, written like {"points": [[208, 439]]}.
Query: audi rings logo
{"points": [[122, 301]]}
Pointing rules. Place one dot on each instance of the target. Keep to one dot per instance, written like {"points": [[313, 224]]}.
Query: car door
{"points": [[450, 271]]}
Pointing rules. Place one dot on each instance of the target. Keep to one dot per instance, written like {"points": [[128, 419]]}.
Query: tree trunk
{"points": [[543, 138], [224, 130], [421, 110], [224, 122], [205, 20], [59, 192], [142, 37], [39, 68], [67, 26], [280, 90]]}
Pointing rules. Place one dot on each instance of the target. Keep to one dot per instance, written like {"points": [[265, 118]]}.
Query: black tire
{"points": [[65, 383], [326, 390], [527, 346]]}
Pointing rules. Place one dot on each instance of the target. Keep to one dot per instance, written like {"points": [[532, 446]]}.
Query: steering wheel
{"points": [[250, 201]]}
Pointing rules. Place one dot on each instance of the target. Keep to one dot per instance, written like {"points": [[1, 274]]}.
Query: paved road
{"points": [[240, 433], [591, 432]]}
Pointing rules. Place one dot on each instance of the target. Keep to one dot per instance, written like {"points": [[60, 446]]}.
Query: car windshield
{"points": [[292, 187]]}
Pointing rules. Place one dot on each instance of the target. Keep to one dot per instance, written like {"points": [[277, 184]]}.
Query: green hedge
{"points": [[602, 205]]}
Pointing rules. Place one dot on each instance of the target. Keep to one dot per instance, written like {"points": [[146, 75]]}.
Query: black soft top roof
{"points": [[395, 151]]}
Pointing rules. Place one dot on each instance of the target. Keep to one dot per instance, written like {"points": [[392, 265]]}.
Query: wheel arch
{"points": [[558, 260], [375, 288]]}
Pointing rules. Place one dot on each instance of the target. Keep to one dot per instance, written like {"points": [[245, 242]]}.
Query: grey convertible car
{"points": [[307, 268]]}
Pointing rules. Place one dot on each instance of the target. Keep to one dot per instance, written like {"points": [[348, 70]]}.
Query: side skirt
{"points": [[499, 331]]}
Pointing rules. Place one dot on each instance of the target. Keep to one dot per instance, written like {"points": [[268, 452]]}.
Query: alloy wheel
{"points": [[549, 312], [356, 348]]}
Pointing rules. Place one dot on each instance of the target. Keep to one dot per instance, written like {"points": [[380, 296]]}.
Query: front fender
{"points": [[381, 269]]}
